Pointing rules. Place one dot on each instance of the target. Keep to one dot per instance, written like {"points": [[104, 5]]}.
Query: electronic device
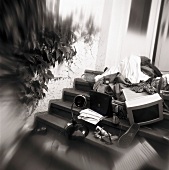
{"points": [[75, 129], [143, 109], [101, 103]]}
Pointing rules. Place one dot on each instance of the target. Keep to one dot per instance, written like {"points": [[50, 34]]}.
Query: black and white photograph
{"points": [[84, 84]]}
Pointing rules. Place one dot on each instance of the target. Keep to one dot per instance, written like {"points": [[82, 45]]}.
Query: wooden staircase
{"points": [[60, 109], [59, 112], [54, 151]]}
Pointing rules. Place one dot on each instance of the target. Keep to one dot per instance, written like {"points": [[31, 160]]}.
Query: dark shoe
{"points": [[126, 139]]}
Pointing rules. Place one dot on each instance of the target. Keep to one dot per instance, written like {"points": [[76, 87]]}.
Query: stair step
{"points": [[59, 123], [55, 122], [70, 93], [45, 151], [90, 75], [94, 72], [83, 85], [145, 131], [62, 108]]}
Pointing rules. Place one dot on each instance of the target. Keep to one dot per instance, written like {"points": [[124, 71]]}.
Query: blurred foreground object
{"points": [[142, 156], [13, 122]]}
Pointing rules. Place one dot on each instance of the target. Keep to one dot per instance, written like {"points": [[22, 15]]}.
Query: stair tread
{"points": [[81, 81], [50, 119], [150, 131], [59, 122], [63, 104], [93, 72], [75, 91], [56, 121], [66, 105], [70, 93]]}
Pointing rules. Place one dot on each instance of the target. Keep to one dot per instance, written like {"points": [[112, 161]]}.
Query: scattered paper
{"points": [[90, 116]]}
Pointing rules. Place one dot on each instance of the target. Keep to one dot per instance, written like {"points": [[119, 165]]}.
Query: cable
{"points": [[72, 111]]}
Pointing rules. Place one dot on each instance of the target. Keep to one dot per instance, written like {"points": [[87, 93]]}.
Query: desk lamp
{"points": [[75, 129]]}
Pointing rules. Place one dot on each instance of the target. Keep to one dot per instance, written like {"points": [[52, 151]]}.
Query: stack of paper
{"points": [[90, 116]]}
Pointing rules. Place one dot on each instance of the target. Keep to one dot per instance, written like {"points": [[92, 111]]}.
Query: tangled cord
{"points": [[103, 135]]}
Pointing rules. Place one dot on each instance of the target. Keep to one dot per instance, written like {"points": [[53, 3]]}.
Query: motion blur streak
{"points": [[20, 22], [12, 120], [141, 156]]}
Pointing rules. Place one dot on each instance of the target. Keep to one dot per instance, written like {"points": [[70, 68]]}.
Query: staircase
{"points": [[59, 111], [59, 114], [54, 151]]}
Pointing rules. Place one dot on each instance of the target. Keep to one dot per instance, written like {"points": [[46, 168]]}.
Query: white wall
{"points": [[104, 35], [118, 30], [86, 52], [109, 46], [121, 42]]}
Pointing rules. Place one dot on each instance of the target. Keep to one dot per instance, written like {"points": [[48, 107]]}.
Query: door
{"points": [[162, 55]]}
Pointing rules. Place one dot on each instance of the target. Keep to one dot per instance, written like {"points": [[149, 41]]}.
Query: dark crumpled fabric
{"points": [[160, 84], [151, 86], [144, 87], [112, 84], [145, 61], [148, 68], [148, 71]]}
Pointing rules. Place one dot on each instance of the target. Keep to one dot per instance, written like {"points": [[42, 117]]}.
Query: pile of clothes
{"points": [[134, 72]]}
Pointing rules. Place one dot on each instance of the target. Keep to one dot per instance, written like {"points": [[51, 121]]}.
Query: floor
{"points": [[53, 151]]}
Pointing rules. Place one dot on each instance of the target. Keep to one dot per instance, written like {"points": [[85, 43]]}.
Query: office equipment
{"points": [[101, 103], [75, 129], [143, 109]]}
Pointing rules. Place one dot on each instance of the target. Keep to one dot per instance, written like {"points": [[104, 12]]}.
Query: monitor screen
{"points": [[146, 114], [145, 109]]}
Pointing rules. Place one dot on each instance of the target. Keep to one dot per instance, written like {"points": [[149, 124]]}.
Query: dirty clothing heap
{"points": [[134, 72]]}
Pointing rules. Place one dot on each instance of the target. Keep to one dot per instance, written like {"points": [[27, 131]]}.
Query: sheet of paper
{"points": [[90, 116]]}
